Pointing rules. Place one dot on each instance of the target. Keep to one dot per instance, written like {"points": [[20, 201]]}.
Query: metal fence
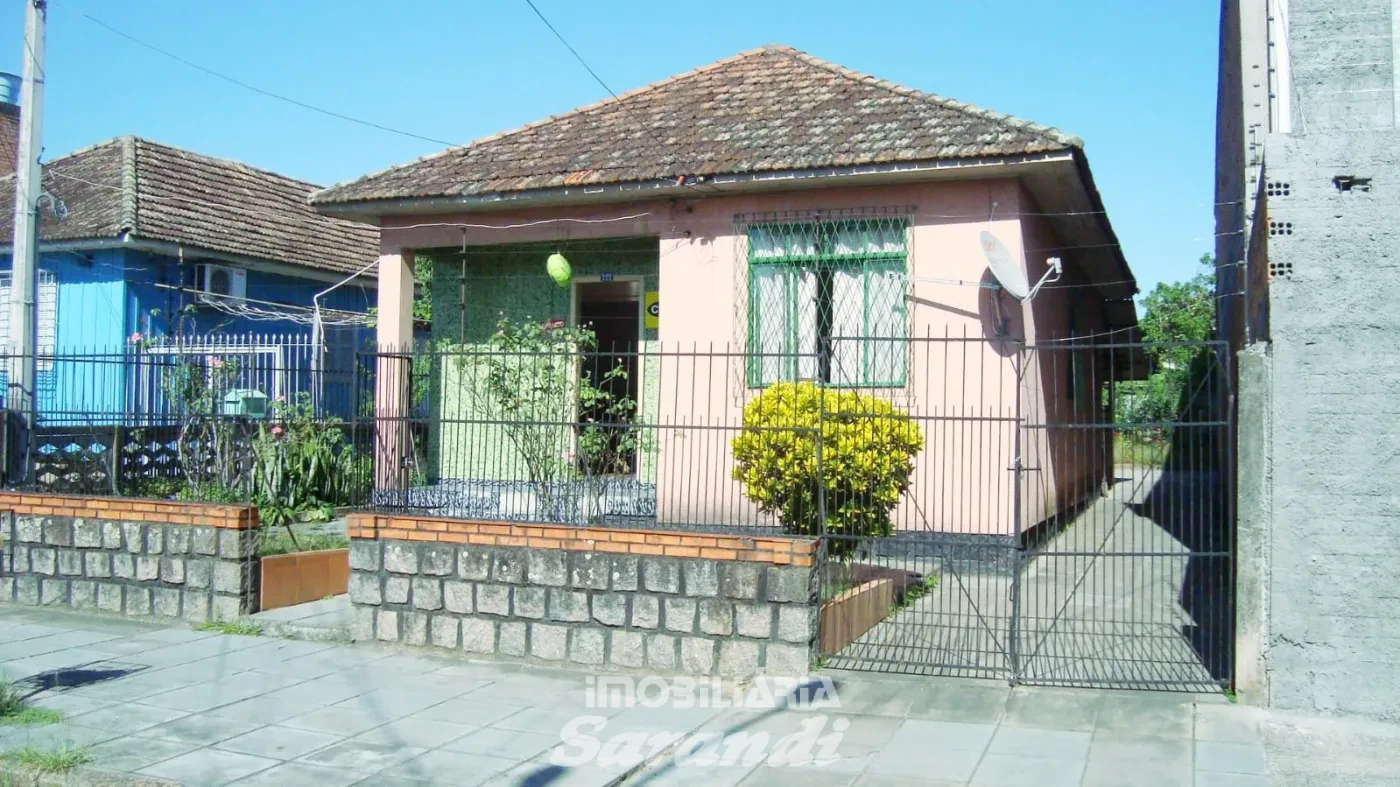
{"points": [[599, 437], [1118, 568], [133, 420], [1049, 513], [1060, 517]]}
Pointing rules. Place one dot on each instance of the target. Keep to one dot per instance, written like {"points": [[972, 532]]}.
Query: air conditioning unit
{"points": [[221, 280]]}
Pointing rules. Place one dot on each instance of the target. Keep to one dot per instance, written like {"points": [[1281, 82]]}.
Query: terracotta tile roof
{"points": [[767, 109], [157, 192]]}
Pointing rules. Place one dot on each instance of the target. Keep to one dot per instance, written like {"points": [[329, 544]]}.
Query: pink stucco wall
{"points": [[1071, 458], [962, 379]]}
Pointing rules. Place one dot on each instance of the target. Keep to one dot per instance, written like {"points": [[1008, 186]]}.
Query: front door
{"points": [[612, 310]]}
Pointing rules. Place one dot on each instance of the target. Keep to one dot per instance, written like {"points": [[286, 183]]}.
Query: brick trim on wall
{"points": [[121, 508], [779, 551]]}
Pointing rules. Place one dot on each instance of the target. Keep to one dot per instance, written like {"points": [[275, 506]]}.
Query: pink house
{"points": [[773, 216]]}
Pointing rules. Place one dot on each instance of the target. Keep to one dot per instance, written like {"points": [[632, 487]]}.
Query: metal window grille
{"points": [[46, 337], [826, 302]]}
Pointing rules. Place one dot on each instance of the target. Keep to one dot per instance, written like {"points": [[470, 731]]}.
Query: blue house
{"points": [[150, 253]]}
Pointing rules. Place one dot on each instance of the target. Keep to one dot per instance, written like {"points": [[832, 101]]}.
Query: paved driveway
{"points": [[1121, 597]]}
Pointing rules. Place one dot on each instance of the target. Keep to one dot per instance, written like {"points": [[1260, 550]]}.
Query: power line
{"points": [[571, 49], [293, 217], [258, 90], [489, 251], [620, 104], [536, 223], [189, 200], [690, 222], [477, 249], [378, 126], [38, 66], [1181, 309]]}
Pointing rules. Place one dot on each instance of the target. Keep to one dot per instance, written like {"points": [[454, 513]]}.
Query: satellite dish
{"points": [[1006, 268], [1009, 272]]}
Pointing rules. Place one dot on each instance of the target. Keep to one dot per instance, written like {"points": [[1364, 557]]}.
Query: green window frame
{"points": [[826, 303]]}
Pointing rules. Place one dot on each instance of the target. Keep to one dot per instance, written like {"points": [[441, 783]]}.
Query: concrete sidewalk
{"points": [[204, 708], [327, 620]]}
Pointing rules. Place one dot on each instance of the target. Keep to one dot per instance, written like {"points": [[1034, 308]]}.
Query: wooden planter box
{"points": [[299, 577], [847, 616]]}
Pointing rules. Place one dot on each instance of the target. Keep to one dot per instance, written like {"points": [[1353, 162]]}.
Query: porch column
{"points": [[394, 346]]}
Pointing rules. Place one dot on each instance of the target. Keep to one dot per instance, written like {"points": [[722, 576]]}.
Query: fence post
{"points": [[821, 477], [822, 546], [1018, 470], [354, 438], [31, 432], [393, 382]]}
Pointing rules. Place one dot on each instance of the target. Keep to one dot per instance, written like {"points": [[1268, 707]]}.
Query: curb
{"points": [[78, 777]]}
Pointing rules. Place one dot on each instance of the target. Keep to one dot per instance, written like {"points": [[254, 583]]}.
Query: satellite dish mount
{"points": [[1011, 275]]}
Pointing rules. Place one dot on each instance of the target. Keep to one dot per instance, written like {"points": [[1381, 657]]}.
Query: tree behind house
{"points": [[1181, 313]]}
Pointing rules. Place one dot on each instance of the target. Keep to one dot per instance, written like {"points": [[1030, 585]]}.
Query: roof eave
{"points": [[371, 210], [1064, 166], [1086, 176], [172, 248], [279, 267]]}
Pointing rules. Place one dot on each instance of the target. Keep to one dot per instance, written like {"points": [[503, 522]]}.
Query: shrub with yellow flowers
{"points": [[867, 455]]}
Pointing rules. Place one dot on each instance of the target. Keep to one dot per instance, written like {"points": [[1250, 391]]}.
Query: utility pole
{"points": [[24, 321]]}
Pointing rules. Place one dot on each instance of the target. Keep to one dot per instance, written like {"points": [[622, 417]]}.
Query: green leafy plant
{"points": [[50, 759], [206, 443], [11, 699], [1138, 447], [211, 493], [15, 709], [302, 466], [280, 544], [246, 628], [867, 455], [194, 385], [532, 381], [160, 487], [30, 717], [607, 438], [918, 590], [1177, 317], [838, 583]]}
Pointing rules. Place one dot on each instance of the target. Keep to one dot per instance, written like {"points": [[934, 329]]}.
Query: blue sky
{"points": [[1135, 80]]}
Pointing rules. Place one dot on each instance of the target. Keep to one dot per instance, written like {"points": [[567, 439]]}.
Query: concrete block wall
{"points": [[1320, 464], [190, 561], [1343, 64], [610, 599]]}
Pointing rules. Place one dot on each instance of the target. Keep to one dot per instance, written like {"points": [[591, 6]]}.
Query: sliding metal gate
{"points": [[1068, 522]]}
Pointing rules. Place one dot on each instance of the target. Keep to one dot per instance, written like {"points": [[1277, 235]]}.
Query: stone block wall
{"points": [[138, 557], [611, 599]]}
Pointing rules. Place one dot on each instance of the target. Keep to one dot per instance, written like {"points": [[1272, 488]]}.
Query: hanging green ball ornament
{"points": [[558, 269]]}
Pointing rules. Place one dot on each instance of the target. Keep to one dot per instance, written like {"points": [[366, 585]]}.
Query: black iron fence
{"points": [[642, 437], [158, 417]]}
